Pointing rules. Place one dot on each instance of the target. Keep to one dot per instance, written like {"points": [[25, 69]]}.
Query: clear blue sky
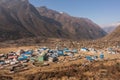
{"points": [[99, 11]]}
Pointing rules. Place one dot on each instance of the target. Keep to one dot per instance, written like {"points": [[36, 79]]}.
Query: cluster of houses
{"points": [[17, 59], [25, 56], [113, 51], [12, 59]]}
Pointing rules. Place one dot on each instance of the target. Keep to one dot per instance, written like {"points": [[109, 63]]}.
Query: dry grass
{"points": [[74, 70], [9, 49]]}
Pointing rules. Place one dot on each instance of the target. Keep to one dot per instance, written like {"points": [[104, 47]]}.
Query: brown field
{"points": [[9, 49], [74, 70]]}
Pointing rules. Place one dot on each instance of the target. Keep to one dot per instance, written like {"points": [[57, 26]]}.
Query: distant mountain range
{"points": [[110, 27], [115, 35], [20, 19]]}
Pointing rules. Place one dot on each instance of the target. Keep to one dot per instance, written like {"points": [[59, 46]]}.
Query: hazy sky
{"points": [[99, 11]]}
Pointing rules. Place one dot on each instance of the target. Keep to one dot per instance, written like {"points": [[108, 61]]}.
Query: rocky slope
{"points": [[80, 28], [20, 19]]}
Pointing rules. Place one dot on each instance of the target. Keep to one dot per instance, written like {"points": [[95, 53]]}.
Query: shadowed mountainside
{"points": [[19, 19], [80, 28]]}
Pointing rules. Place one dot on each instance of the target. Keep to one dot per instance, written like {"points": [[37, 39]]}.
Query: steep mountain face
{"points": [[20, 19], [115, 35], [79, 28], [110, 27]]}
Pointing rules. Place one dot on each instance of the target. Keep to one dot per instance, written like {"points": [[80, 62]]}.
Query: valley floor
{"points": [[76, 69]]}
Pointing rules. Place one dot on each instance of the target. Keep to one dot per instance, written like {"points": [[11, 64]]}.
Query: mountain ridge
{"points": [[115, 35], [110, 27], [74, 24], [20, 19], [24, 20]]}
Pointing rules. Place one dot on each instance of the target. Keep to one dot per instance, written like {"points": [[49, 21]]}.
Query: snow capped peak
{"points": [[61, 12], [110, 27], [112, 24]]}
